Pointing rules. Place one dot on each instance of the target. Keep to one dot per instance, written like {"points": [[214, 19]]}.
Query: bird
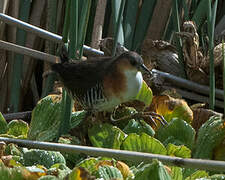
{"points": [[101, 84]]}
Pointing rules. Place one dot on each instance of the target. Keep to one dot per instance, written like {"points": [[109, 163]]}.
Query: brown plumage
{"points": [[102, 83]]}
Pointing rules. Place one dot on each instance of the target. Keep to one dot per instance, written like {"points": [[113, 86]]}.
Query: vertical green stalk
{"points": [[186, 10], [66, 100], [144, 20], [129, 22], [18, 60], [76, 30], [211, 16], [178, 42], [118, 26], [66, 25], [223, 55], [73, 30], [52, 14], [83, 23], [200, 12]]}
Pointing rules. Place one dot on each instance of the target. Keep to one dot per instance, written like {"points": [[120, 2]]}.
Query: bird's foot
{"points": [[152, 116]]}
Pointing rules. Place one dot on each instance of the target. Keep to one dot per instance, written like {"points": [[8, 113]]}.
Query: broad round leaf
{"points": [[143, 143], [78, 173], [89, 164], [210, 137], [177, 132], [197, 175], [45, 119], [42, 157], [138, 127], [109, 172], [18, 128], [155, 170], [106, 135], [178, 151], [77, 117], [176, 173]]}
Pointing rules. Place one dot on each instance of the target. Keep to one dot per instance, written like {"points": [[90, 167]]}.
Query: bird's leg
{"points": [[154, 116], [151, 115]]}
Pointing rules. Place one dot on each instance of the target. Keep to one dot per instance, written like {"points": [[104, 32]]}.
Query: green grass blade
{"points": [[129, 21], [83, 24], [117, 28], [18, 61], [144, 20], [178, 42], [66, 25], [52, 15], [70, 29], [186, 11], [91, 22], [73, 30], [223, 55], [200, 13], [211, 16], [77, 33], [118, 37]]}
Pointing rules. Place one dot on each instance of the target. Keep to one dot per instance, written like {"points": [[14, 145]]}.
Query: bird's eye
{"points": [[133, 62]]}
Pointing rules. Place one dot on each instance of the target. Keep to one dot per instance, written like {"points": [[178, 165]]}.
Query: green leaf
{"points": [[176, 173], [197, 174], [217, 177], [3, 124], [143, 22], [210, 135], [109, 172], [48, 177], [71, 158], [18, 128], [83, 24], [17, 63], [123, 111], [200, 13], [138, 127], [155, 170], [78, 173], [117, 28], [11, 173], [77, 117], [89, 164], [143, 143], [177, 132], [60, 169], [129, 22], [178, 151], [12, 149], [145, 94], [45, 120], [106, 135], [42, 157]]}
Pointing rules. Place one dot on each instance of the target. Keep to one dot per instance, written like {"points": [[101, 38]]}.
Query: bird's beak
{"points": [[144, 69]]}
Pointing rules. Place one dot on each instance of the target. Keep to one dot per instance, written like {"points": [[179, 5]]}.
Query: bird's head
{"points": [[134, 61]]}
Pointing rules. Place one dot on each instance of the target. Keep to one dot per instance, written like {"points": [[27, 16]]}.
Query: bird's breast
{"points": [[134, 81]]}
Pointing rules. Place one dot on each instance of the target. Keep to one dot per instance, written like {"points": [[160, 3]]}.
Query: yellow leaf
{"points": [[170, 108]]}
